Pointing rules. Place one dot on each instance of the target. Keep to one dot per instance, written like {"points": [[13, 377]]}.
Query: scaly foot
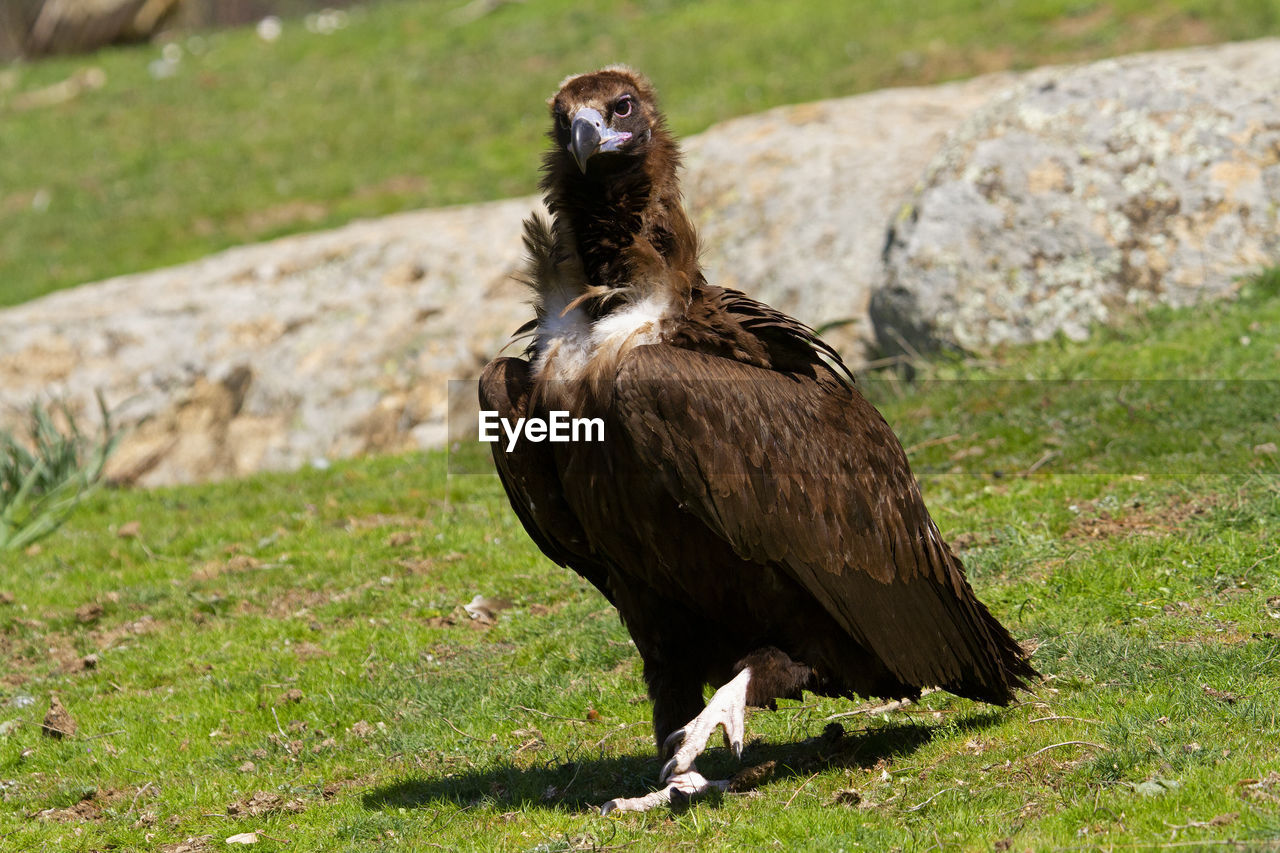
{"points": [[682, 786], [727, 708]]}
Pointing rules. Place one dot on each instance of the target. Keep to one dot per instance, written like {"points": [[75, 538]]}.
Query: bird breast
{"points": [[571, 347]]}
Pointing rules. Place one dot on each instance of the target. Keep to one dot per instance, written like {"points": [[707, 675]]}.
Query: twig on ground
{"points": [[152, 555], [919, 806], [1068, 743], [621, 728], [931, 442], [277, 719], [1039, 463], [141, 791], [895, 705], [104, 734], [1249, 844], [1025, 805], [1058, 717], [801, 788], [556, 716], [461, 732]]}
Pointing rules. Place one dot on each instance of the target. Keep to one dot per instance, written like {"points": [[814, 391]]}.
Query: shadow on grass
{"points": [[588, 783]]}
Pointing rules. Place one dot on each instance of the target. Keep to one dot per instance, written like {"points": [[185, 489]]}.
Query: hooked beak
{"points": [[589, 135]]}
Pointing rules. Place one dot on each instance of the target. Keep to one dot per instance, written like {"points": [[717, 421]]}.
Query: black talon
{"points": [[672, 740], [667, 770], [608, 807]]}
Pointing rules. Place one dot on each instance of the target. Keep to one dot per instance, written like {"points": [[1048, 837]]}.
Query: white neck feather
{"points": [[567, 344]]}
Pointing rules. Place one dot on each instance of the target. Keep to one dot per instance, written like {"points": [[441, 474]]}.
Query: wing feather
{"points": [[803, 473], [531, 478]]}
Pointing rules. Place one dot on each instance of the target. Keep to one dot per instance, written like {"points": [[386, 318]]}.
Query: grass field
{"points": [[409, 106], [288, 655]]}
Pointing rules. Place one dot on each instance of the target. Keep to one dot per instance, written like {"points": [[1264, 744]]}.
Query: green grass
{"points": [[1154, 600], [301, 635], [46, 473], [408, 108]]}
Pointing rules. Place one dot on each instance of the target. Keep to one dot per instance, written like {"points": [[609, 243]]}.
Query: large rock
{"points": [[342, 342], [272, 355], [791, 204], [80, 26], [1084, 191]]}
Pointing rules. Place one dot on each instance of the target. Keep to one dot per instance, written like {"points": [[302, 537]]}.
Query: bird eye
{"points": [[622, 109], [562, 119]]}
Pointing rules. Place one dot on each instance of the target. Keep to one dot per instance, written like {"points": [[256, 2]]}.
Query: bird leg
{"points": [[681, 781], [763, 676], [727, 708]]}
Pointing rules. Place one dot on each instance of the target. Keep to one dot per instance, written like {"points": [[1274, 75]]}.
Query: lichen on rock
{"points": [[1085, 191]]}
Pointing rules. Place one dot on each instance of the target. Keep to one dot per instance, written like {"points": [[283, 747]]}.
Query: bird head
{"points": [[604, 121]]}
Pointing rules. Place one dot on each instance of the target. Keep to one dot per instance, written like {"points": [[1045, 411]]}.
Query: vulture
{"points": [[750, 515]]}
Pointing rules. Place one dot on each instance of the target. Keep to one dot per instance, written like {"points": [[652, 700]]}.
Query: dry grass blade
{"points": [[1068, 743]]}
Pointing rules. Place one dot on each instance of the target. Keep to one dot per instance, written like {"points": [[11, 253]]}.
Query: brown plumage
{"points": [[748, 509]]}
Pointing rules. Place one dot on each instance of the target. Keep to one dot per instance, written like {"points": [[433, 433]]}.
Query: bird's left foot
{"points": [[681, 781], [681, 787], [727, 708]]}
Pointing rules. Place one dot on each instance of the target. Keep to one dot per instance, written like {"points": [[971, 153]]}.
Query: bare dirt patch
{"points": [[264, 802], [1226, 636], [1098, 521], [216, 568], [1220, 695], [90, 808], [310, 651], [49, 652], [86, 810], [1265, 790], [378, 519], [969, 540], [292, 602], [24, 660], [88, 613], [107, 638]]}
